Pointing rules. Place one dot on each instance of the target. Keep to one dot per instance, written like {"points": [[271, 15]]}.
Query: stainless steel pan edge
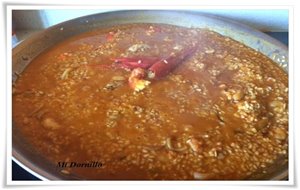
{"points": [[27, 50]]}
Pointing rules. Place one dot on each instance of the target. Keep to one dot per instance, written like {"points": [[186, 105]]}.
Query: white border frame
{"points": [[9, 9]]}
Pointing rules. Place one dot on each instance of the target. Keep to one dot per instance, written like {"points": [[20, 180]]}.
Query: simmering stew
{"points": [[154, 101]]}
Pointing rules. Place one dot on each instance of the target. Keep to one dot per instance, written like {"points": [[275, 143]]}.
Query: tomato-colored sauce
{"points": [[222, 113]]}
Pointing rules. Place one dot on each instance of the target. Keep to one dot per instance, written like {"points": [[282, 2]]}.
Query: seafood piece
{"points": [[136, 79], [200, 176], [110, 36], [50, 123], [171, 145], [194, 144], [138, 47], [113, 35]]}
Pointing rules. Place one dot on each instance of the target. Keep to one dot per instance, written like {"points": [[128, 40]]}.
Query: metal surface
{"points": [[26, 51]]}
